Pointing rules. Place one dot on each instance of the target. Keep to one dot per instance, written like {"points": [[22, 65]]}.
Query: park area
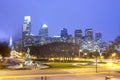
{"points": [[82, 70]]}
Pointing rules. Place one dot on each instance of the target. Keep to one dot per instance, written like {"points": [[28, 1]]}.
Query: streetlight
{"points": [[95, 51], [113, 55], [110, 64], [80, 52], [85, 55]]}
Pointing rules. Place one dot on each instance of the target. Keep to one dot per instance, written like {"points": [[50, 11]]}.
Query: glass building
{"points": [[98, 36], [64, 33], [89, 34], [26, 29], [43, 33], [78, 33]]}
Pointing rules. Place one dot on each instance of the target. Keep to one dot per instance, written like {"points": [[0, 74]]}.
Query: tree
{"points": [[57, 49], [96, 54], [4, 49], [112, 48], [117, 40]]}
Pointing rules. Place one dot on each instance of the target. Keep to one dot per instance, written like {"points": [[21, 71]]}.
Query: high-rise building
{"points": [[10, 43], [98, 36], [89, 34], [43, 33], [26, 29], [78, 33], [78, 37], [69, 39], [26, 32], [64, 33], [98, 39]]}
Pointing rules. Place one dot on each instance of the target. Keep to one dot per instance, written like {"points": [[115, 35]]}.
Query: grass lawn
{"points": [[82, 64], [60, 65]]}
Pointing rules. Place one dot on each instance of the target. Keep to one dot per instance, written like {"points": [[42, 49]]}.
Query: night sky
{"points": [[101, 15]]}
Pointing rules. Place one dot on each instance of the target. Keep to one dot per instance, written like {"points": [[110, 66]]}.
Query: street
{"points": [[63, 74]]}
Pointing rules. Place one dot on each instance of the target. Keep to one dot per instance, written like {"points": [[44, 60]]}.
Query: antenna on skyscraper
{"points": [[11, 43]]}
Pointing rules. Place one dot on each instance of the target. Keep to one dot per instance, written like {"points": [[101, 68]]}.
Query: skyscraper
{"points": [[78, 33], [98, 36], [78, 36], [11, 43], [43, 33], [26, 32], [89, 34], [26, 29], [98, 39], [64, 33]]}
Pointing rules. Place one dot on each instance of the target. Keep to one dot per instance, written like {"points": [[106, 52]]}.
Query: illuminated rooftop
{"points": [[44, 26], [27, 18]]}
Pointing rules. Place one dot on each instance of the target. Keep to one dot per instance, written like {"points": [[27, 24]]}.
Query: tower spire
{"points": [[11, 43]]}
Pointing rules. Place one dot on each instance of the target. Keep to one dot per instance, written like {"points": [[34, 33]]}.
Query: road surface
{"points": [[63, 74]]}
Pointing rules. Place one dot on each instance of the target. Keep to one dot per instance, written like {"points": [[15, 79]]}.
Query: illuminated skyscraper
{"points": [[89, 34], [11, 43], [98, 39], [43, 33], [26, 29]]}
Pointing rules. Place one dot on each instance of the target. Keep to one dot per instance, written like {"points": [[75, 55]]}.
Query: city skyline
{"points": [[102, 16]]}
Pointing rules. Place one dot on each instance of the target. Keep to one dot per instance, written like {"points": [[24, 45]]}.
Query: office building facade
{"points": [[43, 33], [89, 34], [64, 33]]}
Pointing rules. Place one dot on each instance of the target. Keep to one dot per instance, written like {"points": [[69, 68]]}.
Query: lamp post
{"points": [[113, 56], [96, 64], [80, 52], [85, 55], [109, 77], [95, 52]]}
